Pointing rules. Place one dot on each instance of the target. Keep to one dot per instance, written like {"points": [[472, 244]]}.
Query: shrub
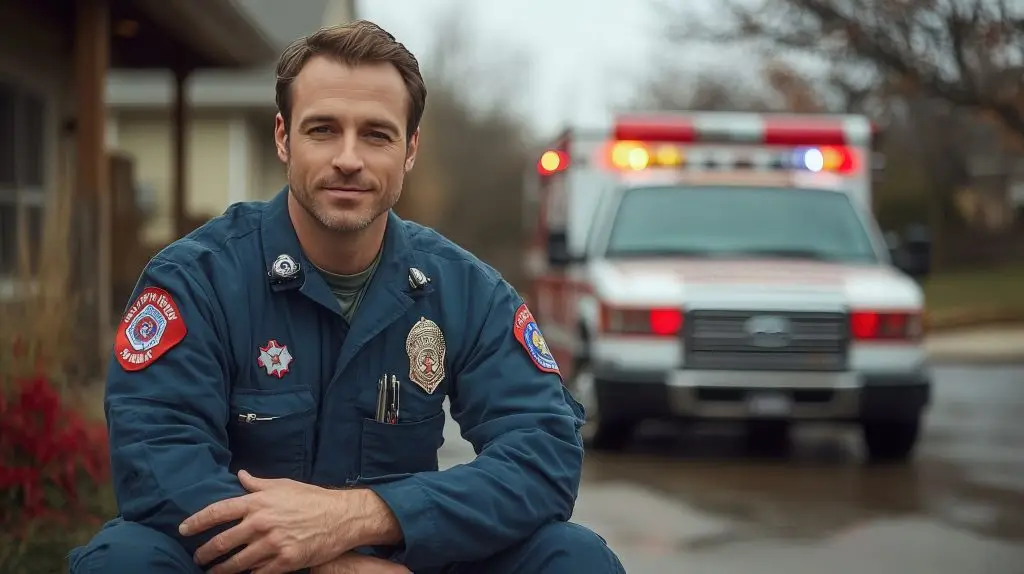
{"points": [[54, 466], [54, 469]]}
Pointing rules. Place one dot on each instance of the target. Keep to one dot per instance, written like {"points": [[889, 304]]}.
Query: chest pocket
{"points": [[271, 432], [409, 445]]}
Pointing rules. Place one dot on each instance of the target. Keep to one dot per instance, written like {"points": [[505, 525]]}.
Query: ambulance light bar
{"points": [[638, 156], [749, 128]]}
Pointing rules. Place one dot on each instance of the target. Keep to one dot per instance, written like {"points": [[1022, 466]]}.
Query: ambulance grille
{"points": [[766, 340]]}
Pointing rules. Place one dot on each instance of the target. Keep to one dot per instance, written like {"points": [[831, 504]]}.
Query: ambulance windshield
{"points": [[739, 222]]}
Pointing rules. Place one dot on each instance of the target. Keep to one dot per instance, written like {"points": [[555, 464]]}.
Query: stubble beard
{"points": [[349, 222]]}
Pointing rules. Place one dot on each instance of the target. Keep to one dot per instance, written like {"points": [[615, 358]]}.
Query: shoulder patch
{"points": [[150, 328], [530, 337]]}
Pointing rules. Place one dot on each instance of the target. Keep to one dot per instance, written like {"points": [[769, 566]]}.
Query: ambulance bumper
{"points": [[740, 395]]}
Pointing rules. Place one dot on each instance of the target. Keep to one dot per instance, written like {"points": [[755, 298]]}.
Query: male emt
{"points": [[242, 398]]}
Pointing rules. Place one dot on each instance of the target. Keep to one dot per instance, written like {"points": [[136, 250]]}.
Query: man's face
{"points": [[346, 150]]}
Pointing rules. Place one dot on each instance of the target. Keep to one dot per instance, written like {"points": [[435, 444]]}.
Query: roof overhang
{"points": [[219, 31]]}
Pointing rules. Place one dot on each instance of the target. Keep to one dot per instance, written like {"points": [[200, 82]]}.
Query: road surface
{"points": [[701, 503]]}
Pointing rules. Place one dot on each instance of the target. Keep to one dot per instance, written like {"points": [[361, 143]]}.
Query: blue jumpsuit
{"points": [[219, 366]]}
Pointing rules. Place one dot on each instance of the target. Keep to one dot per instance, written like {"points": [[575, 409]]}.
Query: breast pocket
{"points": [[401, 448], [271, 432]]}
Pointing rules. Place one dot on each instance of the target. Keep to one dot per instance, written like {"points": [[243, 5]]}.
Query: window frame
{"points": [[25, 191]]}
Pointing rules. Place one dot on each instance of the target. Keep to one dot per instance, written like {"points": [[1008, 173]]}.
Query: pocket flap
{"points": [[274, 403]]}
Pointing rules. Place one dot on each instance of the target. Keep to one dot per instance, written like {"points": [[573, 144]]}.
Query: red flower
{"points": [[48, 455]]}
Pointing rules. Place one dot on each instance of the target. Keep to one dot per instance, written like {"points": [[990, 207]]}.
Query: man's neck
{"points": [[342, 253]]}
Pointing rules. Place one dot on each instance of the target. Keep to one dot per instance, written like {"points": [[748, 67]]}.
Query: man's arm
{"points": [[525, 429], [166, 405]]}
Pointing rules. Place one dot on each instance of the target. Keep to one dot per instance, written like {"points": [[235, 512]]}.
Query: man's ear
{"points": [[281, 138], [411, 150]]}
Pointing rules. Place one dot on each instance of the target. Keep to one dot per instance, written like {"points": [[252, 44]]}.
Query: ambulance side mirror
{"points": [[558, 251]]}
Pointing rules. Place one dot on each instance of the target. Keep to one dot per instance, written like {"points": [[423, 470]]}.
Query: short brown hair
{"points": [[355, 43]]}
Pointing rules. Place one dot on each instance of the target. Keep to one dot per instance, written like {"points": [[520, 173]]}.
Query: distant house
{"points": [[55, 56], [230, 149]]}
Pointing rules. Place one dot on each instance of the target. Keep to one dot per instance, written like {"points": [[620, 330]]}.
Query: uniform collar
{"points": [[389, 287]]}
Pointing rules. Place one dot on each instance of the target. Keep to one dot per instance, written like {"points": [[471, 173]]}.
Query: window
{"points": [[740, 221], [22, 171]]}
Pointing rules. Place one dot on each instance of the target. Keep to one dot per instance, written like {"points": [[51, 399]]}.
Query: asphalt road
{"points": [[702, 503]]}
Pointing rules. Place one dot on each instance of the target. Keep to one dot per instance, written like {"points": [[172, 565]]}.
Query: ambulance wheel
{"points": [[597, 433], [890, 441]]}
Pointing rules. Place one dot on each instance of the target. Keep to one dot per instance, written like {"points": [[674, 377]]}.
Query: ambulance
{"points": [[726, 267]]}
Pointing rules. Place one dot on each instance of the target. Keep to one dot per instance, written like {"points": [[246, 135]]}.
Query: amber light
{"points": [[552, 161]]}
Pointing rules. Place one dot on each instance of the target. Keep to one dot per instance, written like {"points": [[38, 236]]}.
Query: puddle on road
{"points": [[817, 490]]}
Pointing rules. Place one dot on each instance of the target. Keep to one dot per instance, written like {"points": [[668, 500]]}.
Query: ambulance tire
{"points": [[598, 433], [890, 440], [611, 436]]}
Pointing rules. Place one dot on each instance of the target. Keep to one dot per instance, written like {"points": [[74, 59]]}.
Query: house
{"points": [[55, 56], [230, 126]]}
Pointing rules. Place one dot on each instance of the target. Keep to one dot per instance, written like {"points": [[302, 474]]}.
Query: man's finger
{"points": [[224, 542], [253, 484], [245, 561], [214, 514]]}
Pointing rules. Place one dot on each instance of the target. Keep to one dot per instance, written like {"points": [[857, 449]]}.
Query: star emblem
{"points": [[275, 358]]}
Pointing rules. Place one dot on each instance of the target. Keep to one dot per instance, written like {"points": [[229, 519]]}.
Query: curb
{"points": [[976, 359], [973, 318]]}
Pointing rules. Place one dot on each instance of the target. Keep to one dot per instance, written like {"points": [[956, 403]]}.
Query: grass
{"points": [[983, 295]]}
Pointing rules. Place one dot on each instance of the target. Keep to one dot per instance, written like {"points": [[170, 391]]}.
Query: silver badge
{"points": [[417, 279], [284, 267], [425, 345]]}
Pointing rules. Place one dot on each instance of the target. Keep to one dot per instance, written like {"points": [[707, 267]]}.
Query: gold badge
{"points": [[425, 345]]}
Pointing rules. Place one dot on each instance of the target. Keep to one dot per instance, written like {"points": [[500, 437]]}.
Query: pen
{"points": [[393, 400], [381, 398]]}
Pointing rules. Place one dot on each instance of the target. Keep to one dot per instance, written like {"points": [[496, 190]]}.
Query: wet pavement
{"points": [[700, 502]]}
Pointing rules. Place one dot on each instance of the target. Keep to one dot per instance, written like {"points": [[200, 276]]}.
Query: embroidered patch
{"points": [[275, 358], [529, 335], [426, 347], [151, 327]]}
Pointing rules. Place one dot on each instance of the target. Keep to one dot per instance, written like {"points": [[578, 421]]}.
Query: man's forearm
{"points": [[371, 521]]}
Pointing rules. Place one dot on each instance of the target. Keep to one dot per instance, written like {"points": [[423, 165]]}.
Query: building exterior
{"points": [[55, 56], [231, 153]]}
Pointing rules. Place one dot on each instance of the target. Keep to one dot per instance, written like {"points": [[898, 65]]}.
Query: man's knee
{"points": [[563, 547], [130, 547]]}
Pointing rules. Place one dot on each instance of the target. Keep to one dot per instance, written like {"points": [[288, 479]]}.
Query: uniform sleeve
{"points": [[511, 405], [166, 403]]}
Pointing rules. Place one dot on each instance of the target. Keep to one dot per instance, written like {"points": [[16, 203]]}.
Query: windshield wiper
{"points": [[659, 253], [788, 254]]}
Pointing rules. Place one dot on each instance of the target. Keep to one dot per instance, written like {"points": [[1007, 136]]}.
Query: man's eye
{"points": [[380, 136], [319, 130]]}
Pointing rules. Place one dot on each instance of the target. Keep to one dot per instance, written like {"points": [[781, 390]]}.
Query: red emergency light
{"points": [[885, 326], [710, 127], [552, 161]]}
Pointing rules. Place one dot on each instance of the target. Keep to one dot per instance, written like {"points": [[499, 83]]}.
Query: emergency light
{"points": [[552, 161], [727, 141]]}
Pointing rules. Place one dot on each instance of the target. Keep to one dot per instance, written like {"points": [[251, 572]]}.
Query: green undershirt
{"points": [[349, 289]]}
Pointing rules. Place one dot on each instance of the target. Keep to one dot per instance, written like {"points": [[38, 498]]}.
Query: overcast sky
{"points": [[584, 56]]}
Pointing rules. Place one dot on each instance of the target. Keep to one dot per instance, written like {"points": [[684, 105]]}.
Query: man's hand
{"points": [[285, 526], [354, 563]]}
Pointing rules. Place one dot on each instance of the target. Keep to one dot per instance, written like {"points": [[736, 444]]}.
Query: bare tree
{"points": [[468, 179], [969, 53]]}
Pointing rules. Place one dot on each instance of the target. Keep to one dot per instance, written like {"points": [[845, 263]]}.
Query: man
{"points": [[275, 395]]}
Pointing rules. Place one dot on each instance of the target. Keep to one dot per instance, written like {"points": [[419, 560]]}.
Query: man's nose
{"points": [[348, 160]]}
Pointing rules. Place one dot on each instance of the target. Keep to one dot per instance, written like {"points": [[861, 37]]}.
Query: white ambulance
{"points": [[725, 266]]}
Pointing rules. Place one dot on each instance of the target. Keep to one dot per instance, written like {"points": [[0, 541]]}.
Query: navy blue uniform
{"points": [[220, 367]]}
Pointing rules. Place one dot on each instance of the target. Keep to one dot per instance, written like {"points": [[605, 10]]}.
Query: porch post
{"points": [[91, 194], [179, 159]]}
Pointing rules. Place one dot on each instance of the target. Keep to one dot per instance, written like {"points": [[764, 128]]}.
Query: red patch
{"points": [[150, 328], [529, 336]]}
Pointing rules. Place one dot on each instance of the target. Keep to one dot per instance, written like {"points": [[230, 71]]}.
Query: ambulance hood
{"points": [[739, 283]]}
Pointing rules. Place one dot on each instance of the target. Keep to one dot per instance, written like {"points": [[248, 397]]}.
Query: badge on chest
{"points": [[426, 347]]}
